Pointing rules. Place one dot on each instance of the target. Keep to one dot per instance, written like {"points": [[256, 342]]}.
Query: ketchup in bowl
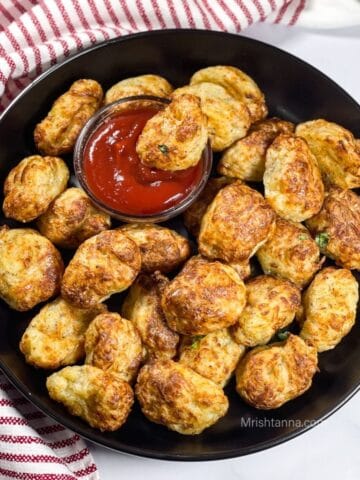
{"points": [[113, 176]]}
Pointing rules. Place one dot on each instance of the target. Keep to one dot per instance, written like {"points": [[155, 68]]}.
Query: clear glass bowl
{"points": [[127, 104]]}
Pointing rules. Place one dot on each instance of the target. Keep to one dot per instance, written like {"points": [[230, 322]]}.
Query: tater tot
{"points": [[336, 151], [113, 344], [142, 306], [236, 224], [55, 336], [329, 308], [179, 398], [245, 159], [228, 119], [336, 227], [292, 179], [71, 219], [238, 84], [205, 296], [32, 185], [290, 253], [141, 85], [58, 131], [100, 398], [30, 268], [105, 264], [161, 248], [213, 356], [271, 375], [271, 304], [175, 137]]}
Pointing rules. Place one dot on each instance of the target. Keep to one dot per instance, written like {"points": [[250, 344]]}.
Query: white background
{"points": [[332, 449]]}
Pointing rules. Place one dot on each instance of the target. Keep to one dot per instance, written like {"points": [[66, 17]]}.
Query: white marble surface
{"points": [[330, 450]]}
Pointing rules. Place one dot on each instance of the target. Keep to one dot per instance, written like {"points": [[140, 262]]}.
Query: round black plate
{"points": [[295, 91]]}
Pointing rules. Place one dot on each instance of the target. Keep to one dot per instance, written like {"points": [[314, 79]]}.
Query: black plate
{"points": [[295, 91]]}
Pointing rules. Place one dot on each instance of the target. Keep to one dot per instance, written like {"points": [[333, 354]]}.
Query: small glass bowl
{"points": [[126, 104]]}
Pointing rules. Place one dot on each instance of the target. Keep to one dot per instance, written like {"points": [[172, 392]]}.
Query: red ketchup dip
{"points": [[117, 178]]}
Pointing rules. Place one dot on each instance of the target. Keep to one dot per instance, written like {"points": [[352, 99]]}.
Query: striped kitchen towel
{"points": [[35, 34], [35, 447]]}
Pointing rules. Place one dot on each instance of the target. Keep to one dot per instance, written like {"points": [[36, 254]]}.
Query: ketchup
{"points": [[119, 180]]}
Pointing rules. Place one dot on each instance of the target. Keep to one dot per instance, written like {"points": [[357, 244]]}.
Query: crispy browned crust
{"points": [[30, 268], [57, 132], [141, 85], [179, 398], [105, 264], [339, 220], [292, 179], [143, 307], [194, 214], [55, 336], [161, 248], [32, 185], [205, 296], [175, 137], [214, 356], [236, 224], [271, 304], [228, 119], [245, 159], [290, 253], [113, 344], [269, 376], [71, 219], [100, 398], [329, 308], [238, 84], [336, 150]]}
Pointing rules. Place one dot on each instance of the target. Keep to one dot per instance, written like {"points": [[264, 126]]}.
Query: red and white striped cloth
{"points": [[35, 34], [35, 447]]}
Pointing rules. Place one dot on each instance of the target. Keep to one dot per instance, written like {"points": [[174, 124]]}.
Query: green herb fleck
{"points": [[322, 239], [303, 236], [283, 335], [196, 341], [164, 149]]}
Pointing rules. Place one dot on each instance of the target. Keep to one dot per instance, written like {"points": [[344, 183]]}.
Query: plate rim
{"points": [[161, 32], [148, 452]]}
